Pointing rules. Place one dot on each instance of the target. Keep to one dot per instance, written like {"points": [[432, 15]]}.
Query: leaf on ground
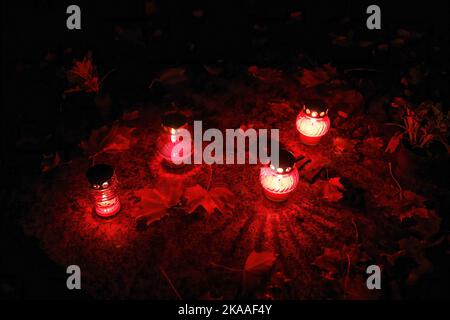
{"points": [[342, 114], [334, 262], [374, 143], [83, 75], [154, 202], [219, 198], [427, 224], [259, 262], [122, 140], [97, 140], [342, 145], [313, 77], [415, 249], [350, 101], [105, 139], [265, 74], [257, 265], [394, 142], [333, 190], [170, 76]]}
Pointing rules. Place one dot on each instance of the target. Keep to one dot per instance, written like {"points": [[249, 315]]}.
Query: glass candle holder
{"points": [[169, 138], [313, 123], [279, 181], [104, 190]]}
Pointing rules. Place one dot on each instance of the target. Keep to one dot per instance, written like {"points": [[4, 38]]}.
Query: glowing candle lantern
{"points": [[104, 187], [280, 181], [170, 137], [313, 123]]}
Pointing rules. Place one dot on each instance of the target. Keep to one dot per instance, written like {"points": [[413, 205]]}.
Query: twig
{"points": [[396, 182], [170, 283], [225, 267], [347, 274], [106, 75], [356, 230]]}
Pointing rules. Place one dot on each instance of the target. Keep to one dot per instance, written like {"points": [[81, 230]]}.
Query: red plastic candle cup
{"points": [[313, 123], [170, 138], [104, 190], [279, 181]]}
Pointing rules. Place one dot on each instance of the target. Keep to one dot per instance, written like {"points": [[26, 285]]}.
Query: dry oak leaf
{"points": [[219, 198], [155, 202]]}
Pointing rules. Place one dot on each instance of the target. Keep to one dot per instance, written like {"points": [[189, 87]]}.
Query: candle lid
{"points": [[286, 162], [100, 175], [316, 109], [174, 120]]}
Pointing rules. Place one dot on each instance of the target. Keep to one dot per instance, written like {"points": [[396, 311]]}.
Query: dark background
{"points": [[123, 36]]}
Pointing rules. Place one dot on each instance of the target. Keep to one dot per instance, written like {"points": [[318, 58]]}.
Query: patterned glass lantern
{"points": [[313, 123], [104, 189], [170, 137], [279, 181]]}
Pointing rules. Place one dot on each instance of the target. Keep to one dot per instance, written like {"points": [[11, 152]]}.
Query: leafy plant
{"points": [[421, 126]]}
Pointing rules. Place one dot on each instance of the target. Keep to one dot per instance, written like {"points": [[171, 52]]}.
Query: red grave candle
{"points": [[313, 123], [104, 187], [280, 181], [170, 137]]}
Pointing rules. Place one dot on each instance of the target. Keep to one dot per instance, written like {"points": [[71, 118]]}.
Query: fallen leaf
{"points": [[342, 145], [83, 75], [259, 262], [154, 202], [170, 76], [394, 142], [333, 190], [219, 198], [334, 262], [121, 141], [374, 142], [105, 139], [343, 114], [313, 77], [97, 140], [257, 265]]}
